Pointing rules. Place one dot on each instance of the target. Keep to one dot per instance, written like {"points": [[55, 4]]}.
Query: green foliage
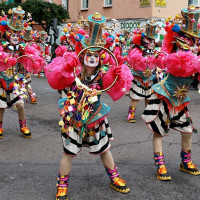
{"points": [[42, 12]]}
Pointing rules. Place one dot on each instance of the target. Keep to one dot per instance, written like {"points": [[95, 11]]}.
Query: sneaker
{"points": [[61, 193], [33, 100], [187, 165], [189, 168], [162, 174], [26, 133], [62, 187], [119, 185], [131, 116]]}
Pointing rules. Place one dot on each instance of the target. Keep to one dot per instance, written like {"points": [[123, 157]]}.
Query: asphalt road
{"points": [[29, 167]]}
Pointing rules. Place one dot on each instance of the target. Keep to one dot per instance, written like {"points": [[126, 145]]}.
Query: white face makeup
{"points": [[14, 39], [194, 49], [91, 59], [151, 45]]}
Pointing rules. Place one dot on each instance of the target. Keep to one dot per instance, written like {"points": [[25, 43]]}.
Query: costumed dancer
{"points": [[142, 60], [167, 108], [67, 36], [12, 90], [43, 47], [120, 49], [27, 37], [84, 115], [67, 41]]}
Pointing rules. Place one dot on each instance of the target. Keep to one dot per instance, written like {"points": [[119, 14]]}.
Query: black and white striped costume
{"points": [[139, 91], [97, 141], [160, 119], [97, 138]]}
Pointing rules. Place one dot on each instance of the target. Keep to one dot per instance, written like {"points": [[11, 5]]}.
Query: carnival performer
{"points": [[167, 108], [40, 43], [142, 62], [27, 38], [84, 115], [67, 41], [67, 37], [12, 84], [120, 49]]}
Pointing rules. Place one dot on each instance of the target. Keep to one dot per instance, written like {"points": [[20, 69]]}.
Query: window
{"points": [[196, 2], [84, 5], [50, 1], [65, 4], [107, 3]]}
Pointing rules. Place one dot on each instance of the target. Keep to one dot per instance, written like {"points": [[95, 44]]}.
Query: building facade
{"points": [[124, 9], [129, 13]]}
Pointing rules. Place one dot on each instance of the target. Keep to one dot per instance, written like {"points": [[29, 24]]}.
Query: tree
{"points": [[42, 12]]}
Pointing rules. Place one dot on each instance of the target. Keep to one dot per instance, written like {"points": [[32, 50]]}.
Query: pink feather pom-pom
{"points": [[136, 60], [161, 60], [31, 50], [36, 46], [123, 83], [11, 61], [60, 50], [3, 61], [182, 64], [109, 41], [108, 59], [57, 78], [33, 63], [106, 34], [150, 61], [72, 61], [81, 31]]}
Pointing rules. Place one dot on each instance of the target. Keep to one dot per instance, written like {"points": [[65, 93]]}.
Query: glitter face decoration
{"points": [[91, 59], [14, 39]]}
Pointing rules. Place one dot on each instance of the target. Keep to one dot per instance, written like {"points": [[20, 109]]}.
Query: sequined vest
{"points": [[174, 89]]}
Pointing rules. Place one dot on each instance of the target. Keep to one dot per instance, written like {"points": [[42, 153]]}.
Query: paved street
{"points": [[29, 167]]}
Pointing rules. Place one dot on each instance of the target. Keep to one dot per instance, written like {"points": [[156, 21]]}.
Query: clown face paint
{"points": [[14, 39], [91, 59], [151, 45], [194, 49]]}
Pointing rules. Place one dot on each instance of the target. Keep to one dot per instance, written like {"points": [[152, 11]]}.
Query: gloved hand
{"points": [[118, 70]]}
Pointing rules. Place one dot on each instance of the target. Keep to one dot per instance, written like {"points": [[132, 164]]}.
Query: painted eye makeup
{"points": [[14, 35]]}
